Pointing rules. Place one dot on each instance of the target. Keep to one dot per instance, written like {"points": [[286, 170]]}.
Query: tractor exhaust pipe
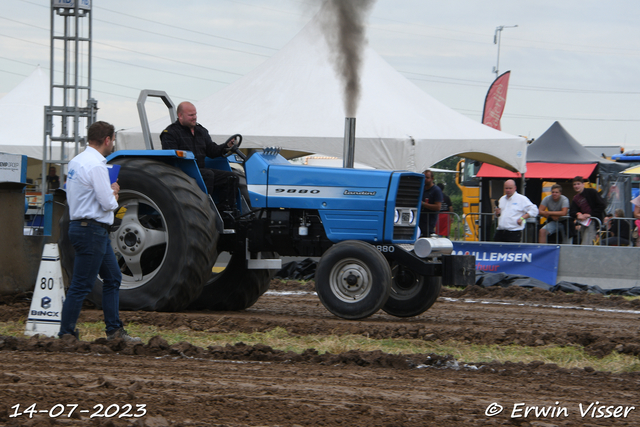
{"points": [[432, 246], [349, 142]]}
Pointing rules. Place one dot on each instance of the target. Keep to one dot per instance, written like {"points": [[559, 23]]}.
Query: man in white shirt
{"points": [[513, 210], [92, 198]]}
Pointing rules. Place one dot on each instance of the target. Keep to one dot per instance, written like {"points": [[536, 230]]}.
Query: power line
{"points": [[166, 25], [93, 90], [584, 119], [127, 63], [460, 110], [167, 59], [479, 83], [184, 29], [458, 82], [131, 50], [554, 44], [15, 74], [441, 79], [159, 70], [179, 38], [539, 117], [467, 82]]}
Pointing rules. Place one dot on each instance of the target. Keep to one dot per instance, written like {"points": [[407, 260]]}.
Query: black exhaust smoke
{"points": [[343, 23]]}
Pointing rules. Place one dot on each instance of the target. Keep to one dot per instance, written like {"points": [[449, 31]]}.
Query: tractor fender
{"points": [[183, 160]]}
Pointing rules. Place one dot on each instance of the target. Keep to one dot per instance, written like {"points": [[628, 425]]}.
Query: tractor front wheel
{"points": [[411, 293], [353, 279]]}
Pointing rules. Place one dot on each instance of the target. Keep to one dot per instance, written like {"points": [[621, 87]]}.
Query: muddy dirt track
{"points": [[155, 384]]}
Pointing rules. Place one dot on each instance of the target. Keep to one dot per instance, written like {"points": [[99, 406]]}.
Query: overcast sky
{"points": [[577, 62]]}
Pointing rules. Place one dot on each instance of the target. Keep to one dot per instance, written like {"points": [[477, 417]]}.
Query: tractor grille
{"points": [[408, 196], [403, 233], [409, 191]]}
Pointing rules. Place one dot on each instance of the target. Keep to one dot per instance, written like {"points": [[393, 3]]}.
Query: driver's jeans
{"points": [[223, 184]]}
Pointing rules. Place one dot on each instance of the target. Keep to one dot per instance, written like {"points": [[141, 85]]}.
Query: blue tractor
{"points": [[361, 223]]}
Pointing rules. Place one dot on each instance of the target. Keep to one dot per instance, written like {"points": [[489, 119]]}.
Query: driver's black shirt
{"points": [[178, 137]]}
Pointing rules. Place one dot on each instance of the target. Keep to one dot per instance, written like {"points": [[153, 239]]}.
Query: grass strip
{"points": [[280, 339]]}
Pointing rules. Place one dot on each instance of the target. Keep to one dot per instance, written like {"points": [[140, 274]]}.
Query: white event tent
{"points": [[294, 100], [22, 116]]}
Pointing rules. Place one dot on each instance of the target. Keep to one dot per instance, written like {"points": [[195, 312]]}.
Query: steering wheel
{"points": [[236, 146]]}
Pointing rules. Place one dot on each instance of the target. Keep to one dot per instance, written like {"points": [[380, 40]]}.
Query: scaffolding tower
{"points": [[65, 121]]}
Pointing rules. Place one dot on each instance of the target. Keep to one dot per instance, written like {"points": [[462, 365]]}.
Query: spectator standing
{"points": [[586, 204], [53, 180], [512, 212], [431, 203], [92, 198], [553, 208], [444, 219]]}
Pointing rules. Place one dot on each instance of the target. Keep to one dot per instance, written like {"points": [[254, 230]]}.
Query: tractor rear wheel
{"points": [[411, 293], [353, 279], [165, 242], [236, 287]]}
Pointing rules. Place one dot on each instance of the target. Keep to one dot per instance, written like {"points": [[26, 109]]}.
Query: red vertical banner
{"points": [[495, 100]]}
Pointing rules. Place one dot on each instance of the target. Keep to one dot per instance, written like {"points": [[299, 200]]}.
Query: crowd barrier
{"points": [[452, 229], [485, 225]]}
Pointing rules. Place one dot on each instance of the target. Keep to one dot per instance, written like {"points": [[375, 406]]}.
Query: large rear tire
{"points": [[166, 242], [236, 287], [353, 279], [411, 293]]}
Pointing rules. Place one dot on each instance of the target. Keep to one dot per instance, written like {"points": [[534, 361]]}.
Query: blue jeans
{"points": [[94, 256]]}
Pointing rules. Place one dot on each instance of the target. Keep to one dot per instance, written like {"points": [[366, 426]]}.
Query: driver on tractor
{"points": [[187, 134]]}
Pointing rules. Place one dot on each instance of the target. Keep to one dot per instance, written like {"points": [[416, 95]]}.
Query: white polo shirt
{"points": [[89, 192], [511, 209]]}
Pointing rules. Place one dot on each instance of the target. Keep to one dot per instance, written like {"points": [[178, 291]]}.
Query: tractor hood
{"points": [[273, 182]]}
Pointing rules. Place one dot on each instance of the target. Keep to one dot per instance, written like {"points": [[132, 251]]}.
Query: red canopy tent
{"points": [[554, 155], [540, 170]]}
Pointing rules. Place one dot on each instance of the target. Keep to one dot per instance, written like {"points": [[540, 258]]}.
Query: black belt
{"points": [[92, 221], [510, 231]]}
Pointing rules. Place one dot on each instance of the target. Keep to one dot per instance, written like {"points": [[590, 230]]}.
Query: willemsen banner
{"points": [[537, 261]]}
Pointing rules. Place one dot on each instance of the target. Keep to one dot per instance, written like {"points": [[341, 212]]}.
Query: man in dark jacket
{"points": [[187, 134], [586, 204], [619, 230], [431, 203]]}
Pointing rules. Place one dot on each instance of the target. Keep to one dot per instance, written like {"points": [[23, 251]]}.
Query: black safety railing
{"points": [[566, 230], [449, 225], [617, 231]]}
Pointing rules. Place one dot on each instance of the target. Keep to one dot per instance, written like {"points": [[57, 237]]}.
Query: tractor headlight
{"points": [[404, 216]]}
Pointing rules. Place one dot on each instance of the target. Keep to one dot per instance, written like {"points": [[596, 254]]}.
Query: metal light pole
{"points": [[496, 40]]}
